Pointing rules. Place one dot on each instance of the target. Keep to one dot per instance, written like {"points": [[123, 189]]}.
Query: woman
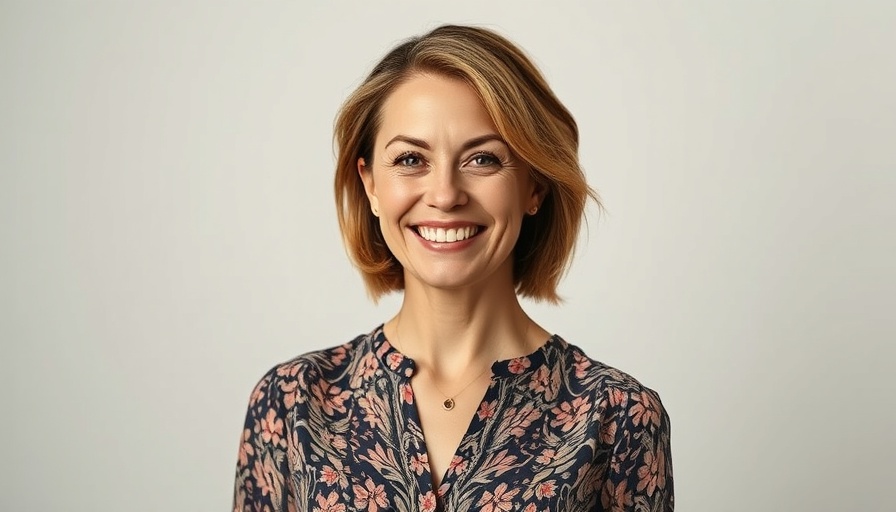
{"points": [[457, 183]]}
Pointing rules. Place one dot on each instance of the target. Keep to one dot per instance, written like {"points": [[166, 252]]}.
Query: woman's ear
{"points": [[539, 193], [366, 175]]}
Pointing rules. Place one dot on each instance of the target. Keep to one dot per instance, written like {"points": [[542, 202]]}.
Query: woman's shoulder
{"points": [[592, 373], [290, 379], [322, 363], [614, 396]]}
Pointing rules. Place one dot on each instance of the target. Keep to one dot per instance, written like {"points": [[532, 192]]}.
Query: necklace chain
{"points": [[448, 403]]}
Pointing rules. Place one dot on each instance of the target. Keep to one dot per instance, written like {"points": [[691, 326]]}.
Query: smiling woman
{"points": [[458, 185], [524, 114], [439, 167]]}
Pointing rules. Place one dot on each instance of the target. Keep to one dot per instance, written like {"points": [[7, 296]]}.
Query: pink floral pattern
{"points": [[337, 430]]}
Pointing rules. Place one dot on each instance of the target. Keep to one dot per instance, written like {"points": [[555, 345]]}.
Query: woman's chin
{"points": [[454, 278]]}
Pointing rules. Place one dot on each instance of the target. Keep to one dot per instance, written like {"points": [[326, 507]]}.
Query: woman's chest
{"points": [[518, 453]]}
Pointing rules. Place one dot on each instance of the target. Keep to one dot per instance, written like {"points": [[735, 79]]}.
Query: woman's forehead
{"points": [[431, 108]]}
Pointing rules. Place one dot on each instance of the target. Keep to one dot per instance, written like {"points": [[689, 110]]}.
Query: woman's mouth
{"points": [[443, 235]]}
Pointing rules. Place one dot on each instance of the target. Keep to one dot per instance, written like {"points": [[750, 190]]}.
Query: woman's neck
{"points": [[448, 331]]}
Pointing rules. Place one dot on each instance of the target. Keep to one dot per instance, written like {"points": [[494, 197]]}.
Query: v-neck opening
{"points": [[451, 475], [404, 368]]}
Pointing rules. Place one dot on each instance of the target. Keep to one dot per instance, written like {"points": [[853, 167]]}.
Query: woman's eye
{"points": [[408, 160], [484, 159]]}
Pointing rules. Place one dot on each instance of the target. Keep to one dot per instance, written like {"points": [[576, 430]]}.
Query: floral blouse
{"points": [[337, 430]]}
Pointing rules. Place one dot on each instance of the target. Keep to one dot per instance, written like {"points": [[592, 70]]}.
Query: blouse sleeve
{"points": [[262, 469], [639, 476]]}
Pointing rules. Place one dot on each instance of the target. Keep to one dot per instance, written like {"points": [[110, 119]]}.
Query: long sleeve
{"points": [[639, 476], [262, 468]]}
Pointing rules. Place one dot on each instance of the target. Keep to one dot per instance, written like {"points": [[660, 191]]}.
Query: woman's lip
{"points": [[446, 246], [445, 224], [442, 236]]}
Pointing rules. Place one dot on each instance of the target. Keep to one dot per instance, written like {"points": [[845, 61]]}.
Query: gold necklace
{"points": [[448, 403]]}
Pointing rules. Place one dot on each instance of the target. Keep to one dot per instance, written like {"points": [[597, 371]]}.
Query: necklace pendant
{"points": [[448, 404]]}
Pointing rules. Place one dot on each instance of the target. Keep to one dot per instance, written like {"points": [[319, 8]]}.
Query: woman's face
{"points": [[449, 193]]}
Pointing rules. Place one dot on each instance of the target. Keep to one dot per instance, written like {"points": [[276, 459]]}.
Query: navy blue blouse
{"points": [[337, 430]]}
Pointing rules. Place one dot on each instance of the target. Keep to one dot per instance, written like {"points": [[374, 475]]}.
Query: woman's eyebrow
{"points": [[482, 139], [472, 143], [410, 140]]}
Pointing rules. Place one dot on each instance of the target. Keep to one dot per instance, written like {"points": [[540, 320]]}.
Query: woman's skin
{"points": [[438, 162]]}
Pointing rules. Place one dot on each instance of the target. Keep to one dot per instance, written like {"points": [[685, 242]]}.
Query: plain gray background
{"points": [[168, 233]]}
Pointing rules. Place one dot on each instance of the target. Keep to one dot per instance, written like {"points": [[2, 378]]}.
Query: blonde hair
{"points": [[526, 113]]}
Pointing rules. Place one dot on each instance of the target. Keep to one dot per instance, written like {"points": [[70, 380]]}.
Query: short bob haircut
{"points": [[526, 113]]}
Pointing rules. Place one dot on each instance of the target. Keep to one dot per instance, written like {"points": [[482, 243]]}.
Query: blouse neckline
{"points": [[404, 366]]}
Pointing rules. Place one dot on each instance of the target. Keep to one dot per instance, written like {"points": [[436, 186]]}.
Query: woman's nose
{"points": [[445, 189]]}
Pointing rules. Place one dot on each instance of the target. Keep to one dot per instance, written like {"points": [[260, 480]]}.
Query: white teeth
{"points": [[443, 235]]}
